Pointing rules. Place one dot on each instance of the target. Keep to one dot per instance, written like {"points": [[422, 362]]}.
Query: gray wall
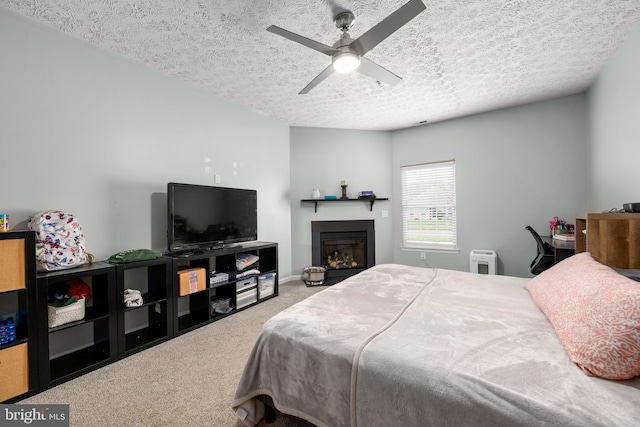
{"points": [[91, 133], [514, 167], [614, 108], [321, 158]]}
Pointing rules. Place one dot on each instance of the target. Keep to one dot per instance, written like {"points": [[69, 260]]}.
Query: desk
{"points": [[562, 249]]}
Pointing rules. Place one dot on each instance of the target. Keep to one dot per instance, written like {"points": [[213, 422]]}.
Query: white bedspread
{"points": [[409, 346]]}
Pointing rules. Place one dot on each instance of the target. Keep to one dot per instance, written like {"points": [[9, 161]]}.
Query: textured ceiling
{"points": [[456, 57]]}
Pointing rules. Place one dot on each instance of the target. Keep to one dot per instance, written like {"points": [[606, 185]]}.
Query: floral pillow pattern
{"points": [[596, 314]]}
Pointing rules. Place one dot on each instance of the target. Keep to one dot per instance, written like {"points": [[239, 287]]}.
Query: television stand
{"points": [[197, 309], [184, 254]]}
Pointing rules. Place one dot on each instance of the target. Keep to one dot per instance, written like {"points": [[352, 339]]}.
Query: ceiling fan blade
{"points": [[387, 26], [327, 50], [373, 70], [319, 78]]}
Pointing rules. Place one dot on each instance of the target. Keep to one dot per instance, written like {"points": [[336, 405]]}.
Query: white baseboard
{"points": [[290, 279]]}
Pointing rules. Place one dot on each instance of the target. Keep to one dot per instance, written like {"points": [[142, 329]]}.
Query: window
{"points": [[429, 206]]}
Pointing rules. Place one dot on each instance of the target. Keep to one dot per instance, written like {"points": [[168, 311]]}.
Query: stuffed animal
{"points": [[78, 289]]}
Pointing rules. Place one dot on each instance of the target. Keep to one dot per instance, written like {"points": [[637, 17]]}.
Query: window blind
{"points": [[429, 205]]}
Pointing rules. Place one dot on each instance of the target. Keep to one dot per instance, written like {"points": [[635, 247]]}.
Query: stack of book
{"points": [[366, 195]]}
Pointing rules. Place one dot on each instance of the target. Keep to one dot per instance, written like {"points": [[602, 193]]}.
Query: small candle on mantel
{"points": [[343, 182]]}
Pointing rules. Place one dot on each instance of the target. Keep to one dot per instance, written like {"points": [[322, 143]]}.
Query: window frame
{"points": [[441, 213]]}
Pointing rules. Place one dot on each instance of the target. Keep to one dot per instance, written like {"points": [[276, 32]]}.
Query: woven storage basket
{"points": [[67, 314]]}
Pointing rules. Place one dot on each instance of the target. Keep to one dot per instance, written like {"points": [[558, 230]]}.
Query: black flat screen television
{"points": [[206, 217]]}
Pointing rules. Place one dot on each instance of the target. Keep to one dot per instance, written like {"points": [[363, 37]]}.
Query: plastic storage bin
{"points": [[483, 261], [7, 331], [266, 285], [246, 297]]}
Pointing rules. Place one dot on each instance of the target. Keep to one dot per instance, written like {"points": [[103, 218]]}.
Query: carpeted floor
{"points": [[187, 381]]}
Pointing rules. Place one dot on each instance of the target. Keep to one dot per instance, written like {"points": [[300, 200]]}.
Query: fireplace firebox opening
{"points": [[344, 248], [344, 252]]}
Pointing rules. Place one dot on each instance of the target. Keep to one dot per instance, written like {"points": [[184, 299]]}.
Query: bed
{"points": [[408, 346]]}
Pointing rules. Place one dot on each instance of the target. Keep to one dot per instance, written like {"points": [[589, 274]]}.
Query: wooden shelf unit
{"points": [[43, 357], [611, 238], [150, 323], [580, 233], [194, 310], [73, 349], [18, 357]]}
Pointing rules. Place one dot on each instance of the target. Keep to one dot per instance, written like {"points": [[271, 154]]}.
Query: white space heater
{"points": [[483, 261]]}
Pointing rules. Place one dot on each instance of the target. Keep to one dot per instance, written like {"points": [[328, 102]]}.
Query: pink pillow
{"points": [[596, 313]]}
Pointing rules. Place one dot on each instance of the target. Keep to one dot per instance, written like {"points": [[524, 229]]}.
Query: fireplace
{"points": [[345, 248]]}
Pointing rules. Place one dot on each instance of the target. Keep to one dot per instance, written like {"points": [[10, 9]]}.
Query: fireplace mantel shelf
{"points": [[315, 201]]}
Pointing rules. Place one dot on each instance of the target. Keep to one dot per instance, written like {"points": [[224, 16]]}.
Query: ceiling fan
{"points": [[347, 54]]}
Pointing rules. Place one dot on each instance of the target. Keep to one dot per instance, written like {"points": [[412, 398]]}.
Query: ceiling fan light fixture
{"points": [[347, 54], [346, 62]]}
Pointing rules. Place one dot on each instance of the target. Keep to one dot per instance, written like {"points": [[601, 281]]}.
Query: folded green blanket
{"points": [[133, 255]]}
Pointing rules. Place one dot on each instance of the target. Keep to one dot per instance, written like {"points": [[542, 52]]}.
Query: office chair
{"points": [[545, 256]]}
